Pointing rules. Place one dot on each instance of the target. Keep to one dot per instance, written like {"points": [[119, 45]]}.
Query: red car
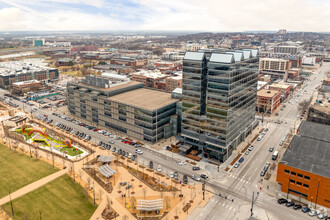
{"points": [[127, 142]]}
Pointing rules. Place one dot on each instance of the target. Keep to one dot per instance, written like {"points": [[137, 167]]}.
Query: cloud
{"points": [[211, 15]]}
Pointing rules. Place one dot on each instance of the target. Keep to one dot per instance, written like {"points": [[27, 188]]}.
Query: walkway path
{"points": [[32, 186]]}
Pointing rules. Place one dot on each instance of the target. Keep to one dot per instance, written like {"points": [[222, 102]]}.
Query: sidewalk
{"points": [[32, 186]]}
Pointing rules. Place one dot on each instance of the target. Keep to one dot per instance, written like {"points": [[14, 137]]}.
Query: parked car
{"points": [[128, 186], [151, 165], [196, 168], [172, 174], [247, 152], [282, 200], [250, 148], [194, 177], [133, 157], [305, 209], [176, 175], [322, 216], [138, 151], [241, 160], [236, 165], [182, 163], [263, 172], [123, 183], [271, 149], [159, 168], [297, 206], [185, 179], [289, 204], [204, 176], [312, 213]]}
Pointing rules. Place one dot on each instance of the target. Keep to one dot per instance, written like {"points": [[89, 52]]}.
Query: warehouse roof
{"points": [[315, 131], [310, 149], [144, 98]]}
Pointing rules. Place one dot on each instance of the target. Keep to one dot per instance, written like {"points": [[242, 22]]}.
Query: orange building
{"points": [[304, 170], [268, 100]]}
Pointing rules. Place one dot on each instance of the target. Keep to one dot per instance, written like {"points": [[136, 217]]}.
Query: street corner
{"points": [[244, 212]]}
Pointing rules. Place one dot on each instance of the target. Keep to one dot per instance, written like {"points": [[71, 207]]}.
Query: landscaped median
{"points": [[58, 199]]}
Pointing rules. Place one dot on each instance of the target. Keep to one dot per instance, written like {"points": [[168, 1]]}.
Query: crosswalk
{"points": [[217, 207]]}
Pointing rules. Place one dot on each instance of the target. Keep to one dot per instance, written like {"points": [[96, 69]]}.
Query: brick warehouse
{"points": [[304, 170]]}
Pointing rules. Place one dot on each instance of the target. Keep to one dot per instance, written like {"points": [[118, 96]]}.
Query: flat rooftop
{"points": [[310, 149], [112, 87], [281, 86], [267, 93], [315, 131], [144, 99]]}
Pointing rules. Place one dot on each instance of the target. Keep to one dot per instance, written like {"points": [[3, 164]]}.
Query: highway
{"points": [[241, 182]]}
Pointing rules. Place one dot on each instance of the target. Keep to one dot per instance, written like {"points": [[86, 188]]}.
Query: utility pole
{"points": [[11, 205], [317, 193], [203, 190], [94, 192], [252, 204]]}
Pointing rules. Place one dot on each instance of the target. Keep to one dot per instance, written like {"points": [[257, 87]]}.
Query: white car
{"points": [[322, 216], [130, 155], [138, 151], [312, 213], [194, 177], [159, 168], [236, 165], [171, 174], [182, 163]]}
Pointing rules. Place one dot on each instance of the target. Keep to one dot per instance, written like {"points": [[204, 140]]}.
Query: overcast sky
{"points": [[195, 15]]}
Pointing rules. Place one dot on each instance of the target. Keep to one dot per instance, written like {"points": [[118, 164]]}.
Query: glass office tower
{"points": [[218, 100]]}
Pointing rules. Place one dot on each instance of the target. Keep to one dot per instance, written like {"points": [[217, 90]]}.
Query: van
{"points": [[274, 156]]}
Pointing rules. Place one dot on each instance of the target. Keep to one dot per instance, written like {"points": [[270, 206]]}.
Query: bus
{"points": [[275, 154]]}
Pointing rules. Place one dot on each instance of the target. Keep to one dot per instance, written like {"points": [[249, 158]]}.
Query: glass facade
{"points": [[218, 102]]}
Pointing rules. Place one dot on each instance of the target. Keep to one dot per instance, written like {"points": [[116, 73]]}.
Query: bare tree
{"points": [[80, 173], [100, 191], [89, 182], [144, 190], [109, 202], [173, 194], [133, 200], [167, 202]]}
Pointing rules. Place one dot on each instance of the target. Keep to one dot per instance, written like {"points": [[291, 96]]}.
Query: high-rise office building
{"points": [[218, 100]]}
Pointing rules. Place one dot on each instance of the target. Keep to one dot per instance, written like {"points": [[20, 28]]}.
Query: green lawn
{"points": [[59, 199], [18, 170]]}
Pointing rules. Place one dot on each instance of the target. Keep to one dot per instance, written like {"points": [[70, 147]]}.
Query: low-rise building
{"points": [[128, 61], [276, 68], [14, 121], [150, 78], [173, 82], [287, 49], [115, 102], [268, 101], [304, 170], [11, 72], [21, 88], [284, 89]]}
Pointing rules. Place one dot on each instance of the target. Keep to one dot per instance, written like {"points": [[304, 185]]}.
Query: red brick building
{"points": [[304, 169], [268, 100]]}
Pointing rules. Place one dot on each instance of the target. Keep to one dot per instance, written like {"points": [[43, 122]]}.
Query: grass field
{"points": [[18, 170], [59, 199]]}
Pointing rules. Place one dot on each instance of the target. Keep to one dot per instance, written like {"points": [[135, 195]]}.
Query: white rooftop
{"points": [[150, 73], [12, 68]]}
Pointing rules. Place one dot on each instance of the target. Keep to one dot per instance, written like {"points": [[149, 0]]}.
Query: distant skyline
{"points": [[192, 15]]}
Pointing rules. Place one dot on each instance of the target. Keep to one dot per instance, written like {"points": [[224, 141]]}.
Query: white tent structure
{"points": [[149, 205], [106, 170]]}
